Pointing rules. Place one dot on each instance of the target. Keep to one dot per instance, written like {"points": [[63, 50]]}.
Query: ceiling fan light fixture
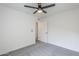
{"points": [[39, 11], [40, 8]]}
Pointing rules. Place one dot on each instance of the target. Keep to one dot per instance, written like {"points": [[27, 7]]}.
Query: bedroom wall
{"points": [[17, 29], [63, 29]]}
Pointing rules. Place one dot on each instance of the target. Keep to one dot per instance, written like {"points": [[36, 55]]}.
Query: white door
{"points": [[42, 31]]}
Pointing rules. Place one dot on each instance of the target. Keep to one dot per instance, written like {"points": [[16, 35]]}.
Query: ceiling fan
{"points": [[40, 8]]}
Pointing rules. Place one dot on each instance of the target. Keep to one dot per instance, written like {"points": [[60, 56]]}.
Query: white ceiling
{"points": [[59, 7], [20, 6]]}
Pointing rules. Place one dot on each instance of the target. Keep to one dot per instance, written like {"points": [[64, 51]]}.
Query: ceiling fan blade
{"points": [[44, 11], [35, 11], [30, 6], [48, 6]]}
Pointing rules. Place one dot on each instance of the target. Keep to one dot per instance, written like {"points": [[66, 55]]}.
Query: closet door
{"points": [[42, 31]]}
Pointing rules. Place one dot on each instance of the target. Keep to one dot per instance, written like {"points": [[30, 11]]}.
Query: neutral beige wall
{"points": [[63, 29], [17, 29]]}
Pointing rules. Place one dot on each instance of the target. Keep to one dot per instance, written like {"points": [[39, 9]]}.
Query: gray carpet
{"points": [[42, 49]]}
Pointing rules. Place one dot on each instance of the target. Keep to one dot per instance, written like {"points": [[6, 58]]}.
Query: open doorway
{"points": [[41, 31], [36, 32]]}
